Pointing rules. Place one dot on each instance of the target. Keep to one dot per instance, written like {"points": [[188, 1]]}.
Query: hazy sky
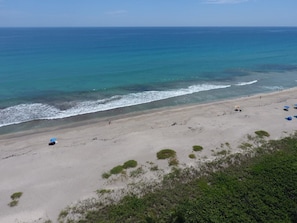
{"points": [[147, 13]]}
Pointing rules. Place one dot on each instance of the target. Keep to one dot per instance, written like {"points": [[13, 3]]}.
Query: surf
{"points": [[39, 111]]}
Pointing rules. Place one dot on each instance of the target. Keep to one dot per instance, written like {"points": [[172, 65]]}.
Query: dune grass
{"points": [[130, 164], [120, 168], [256, 187], [166, 154], [197, 148], [262, 133], [15, 199], [192, 156]]}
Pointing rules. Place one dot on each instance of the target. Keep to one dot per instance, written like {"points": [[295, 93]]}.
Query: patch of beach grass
{"points": [[166, 153], [106, 175], [192, 156], [15, 199], [197, 148], [13, 203], [120, 169], [117, 169], [262, 133], [130, 164], [16, 195]]}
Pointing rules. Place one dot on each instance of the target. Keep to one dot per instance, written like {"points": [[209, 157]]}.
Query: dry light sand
{"points": [[52, 177]]}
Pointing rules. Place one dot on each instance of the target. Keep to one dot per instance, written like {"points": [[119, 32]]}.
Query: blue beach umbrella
{"points": [[295, 106], [289, 118], [53, 139], [286, 107]]}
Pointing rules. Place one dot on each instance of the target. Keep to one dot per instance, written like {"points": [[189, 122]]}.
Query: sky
{"points": [[122, 13]]}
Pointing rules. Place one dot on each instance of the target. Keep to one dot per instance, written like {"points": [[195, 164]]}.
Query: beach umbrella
{"points": [[52, 141], [295, 106], [286, 107], [289, 118]]}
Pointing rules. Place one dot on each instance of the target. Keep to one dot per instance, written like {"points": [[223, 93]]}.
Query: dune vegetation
{"points": [[256, 185]]}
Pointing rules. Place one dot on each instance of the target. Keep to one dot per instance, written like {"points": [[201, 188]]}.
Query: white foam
{"points": [[274, 88], [134, 99], [246, 83], [28, 112]]}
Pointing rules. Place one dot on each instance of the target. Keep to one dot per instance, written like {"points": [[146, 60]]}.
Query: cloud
{"points": [[224, 1], [117, 12]]}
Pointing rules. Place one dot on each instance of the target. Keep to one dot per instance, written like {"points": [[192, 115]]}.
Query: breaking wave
{"points": [[246, 83], [38, 111]]}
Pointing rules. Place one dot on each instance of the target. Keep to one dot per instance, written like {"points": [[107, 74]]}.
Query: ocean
{"points": [[51, 74]]}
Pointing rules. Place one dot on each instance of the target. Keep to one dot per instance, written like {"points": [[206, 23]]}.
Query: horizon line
{"points": [[211, 26]]}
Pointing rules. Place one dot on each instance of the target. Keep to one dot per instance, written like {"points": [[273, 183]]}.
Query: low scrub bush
{"points": [[130, 164], [197, 148], [166, 153], [117, 169], [13, 203], [192, 156], [15, 199], [106, 175], [16, 195], [262, 133]]}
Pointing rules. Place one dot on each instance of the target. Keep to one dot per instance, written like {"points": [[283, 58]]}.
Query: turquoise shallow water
{"points": [[53, 73]]}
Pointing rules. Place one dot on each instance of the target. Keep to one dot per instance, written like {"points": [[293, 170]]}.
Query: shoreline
{"points": [[101, 117], [52, 177]]}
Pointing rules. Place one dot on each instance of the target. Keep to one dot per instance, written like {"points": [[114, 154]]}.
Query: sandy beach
{"points": [[52, 177]]}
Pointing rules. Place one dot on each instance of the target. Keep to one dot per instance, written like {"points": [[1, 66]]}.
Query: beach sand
{"points": [[52, 177]]}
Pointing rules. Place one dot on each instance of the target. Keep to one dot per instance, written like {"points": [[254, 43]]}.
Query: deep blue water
{"points": [[52, 73]]}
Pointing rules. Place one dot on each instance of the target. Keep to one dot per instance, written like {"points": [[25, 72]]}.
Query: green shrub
{"points": [[262, 133], [15, 199], [106, 175], [192, 156], [117, 169], [166, 153], [16, 195], [13, 203], [130, 164], [197, 148]]}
